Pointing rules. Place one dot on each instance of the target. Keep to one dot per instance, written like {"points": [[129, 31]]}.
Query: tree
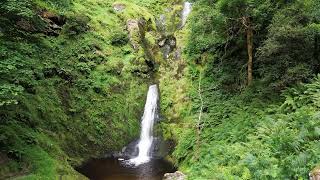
{"points": [[289, 54], [244, 17]]}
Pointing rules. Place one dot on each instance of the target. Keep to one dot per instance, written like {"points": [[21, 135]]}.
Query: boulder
{"points": [[132, 25], [315, 174], [174, 176]]}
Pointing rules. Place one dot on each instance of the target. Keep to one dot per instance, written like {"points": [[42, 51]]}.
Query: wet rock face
{"points": [[130, 150], [160, 148], [174, 176], [167, 45]]}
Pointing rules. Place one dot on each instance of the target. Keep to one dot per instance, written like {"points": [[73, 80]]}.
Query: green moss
{"points": [[134, 11], [73, 96]]}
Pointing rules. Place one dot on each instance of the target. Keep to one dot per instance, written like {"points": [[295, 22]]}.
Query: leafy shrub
{"points": [[17, 8], [119, 38], [8, 94], [76, 24], [83, 67], [252, 140]]}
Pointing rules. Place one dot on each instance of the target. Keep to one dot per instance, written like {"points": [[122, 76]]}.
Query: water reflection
{"points": [[113, 169]]}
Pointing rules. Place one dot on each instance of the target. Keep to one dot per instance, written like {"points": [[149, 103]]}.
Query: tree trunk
{"points": [[249, 31], [316, 52], [198, 128]]}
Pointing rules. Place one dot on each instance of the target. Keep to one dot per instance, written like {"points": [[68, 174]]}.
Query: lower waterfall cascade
{"points": [[148, 118]]}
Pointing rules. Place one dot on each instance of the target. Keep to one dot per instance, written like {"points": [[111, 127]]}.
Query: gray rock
{"points": [[132, 25], [174, 176], [119, 7], [166, 50], [177, 54], [167, 45], [172, 42], [162, 43]]}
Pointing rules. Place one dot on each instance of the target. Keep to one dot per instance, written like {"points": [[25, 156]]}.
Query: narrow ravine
{"points": [[143, 158], [159, 90]]}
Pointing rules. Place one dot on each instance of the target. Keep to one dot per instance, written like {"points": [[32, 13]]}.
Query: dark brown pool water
{"points": [[113, 169]]}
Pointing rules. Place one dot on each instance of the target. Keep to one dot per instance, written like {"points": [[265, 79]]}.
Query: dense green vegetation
{"points": [[266, 129], [240, 90], [71, 85]]}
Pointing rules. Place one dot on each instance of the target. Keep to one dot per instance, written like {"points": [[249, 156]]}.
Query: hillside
{"points": [[238, 83]]}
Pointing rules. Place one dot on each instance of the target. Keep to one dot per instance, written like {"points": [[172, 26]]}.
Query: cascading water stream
{"points": [[148, 118], [187, 7]]}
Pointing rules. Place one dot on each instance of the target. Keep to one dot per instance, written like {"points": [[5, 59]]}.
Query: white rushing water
{"points": [[187, 7], [146, 136]]}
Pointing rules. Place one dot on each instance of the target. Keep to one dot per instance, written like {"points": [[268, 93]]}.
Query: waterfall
{"points": [[187, 7], [146, 138]]}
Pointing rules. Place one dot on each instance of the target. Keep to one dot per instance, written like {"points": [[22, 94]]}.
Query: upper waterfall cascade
{"points": [[187, 7]]}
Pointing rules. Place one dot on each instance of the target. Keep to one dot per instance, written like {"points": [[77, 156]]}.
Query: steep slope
{"points": [[225, 129], [72, 84]]}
